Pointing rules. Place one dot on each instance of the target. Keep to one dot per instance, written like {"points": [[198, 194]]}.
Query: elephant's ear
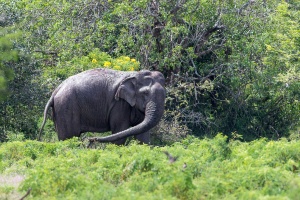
{"points": [[127, 90]]}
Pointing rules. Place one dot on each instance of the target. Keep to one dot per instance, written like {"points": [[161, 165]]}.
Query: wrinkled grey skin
{"points": [[100, 100]]}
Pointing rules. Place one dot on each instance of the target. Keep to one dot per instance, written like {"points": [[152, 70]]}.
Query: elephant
{"points": [[100, 100]]}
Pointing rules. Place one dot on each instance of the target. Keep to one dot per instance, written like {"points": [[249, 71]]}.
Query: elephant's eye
{"points": [[145, 91]]}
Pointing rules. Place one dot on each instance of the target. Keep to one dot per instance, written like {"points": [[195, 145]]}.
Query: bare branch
{"points": [[27, 193], [239, 11], [47, 52], [195, 68], [212, 48]]}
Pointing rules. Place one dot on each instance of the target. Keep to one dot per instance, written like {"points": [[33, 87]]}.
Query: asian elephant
{"points": [[100, 100]]}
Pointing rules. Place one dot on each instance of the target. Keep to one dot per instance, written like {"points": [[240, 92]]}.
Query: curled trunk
{"points": [[153, 114]]}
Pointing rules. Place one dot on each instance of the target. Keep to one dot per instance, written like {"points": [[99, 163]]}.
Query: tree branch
{"points": [[195, 68], [27, 193], [212, 48], [47, 52], [239, 11]]}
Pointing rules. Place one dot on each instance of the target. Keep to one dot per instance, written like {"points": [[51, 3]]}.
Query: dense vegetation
{"points": [[204, 169], [231, 66]]}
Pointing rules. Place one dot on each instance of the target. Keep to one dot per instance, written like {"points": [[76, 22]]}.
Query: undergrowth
{"points": [[198, 169]]}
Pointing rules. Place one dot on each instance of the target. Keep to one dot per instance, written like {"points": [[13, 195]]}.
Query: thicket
{"points": [[200, 169], [231, 66]]}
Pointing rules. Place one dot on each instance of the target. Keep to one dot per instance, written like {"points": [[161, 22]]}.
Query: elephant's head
{"points": [[145, 91]]}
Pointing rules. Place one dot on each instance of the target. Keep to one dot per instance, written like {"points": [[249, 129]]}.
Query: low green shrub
{"points": [[215, 168]]}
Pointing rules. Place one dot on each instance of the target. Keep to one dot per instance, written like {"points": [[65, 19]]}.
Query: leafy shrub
{"points": [[231, 66], [209, 169], [8, 54], [94, 59], [169, 130]]}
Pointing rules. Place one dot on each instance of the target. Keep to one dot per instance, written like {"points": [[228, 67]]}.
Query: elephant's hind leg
{"points": [[67, 124]]}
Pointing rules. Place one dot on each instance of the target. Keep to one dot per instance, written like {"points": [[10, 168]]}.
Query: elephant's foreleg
{"points": [[144, 138], [121, 141], [118, 127]]}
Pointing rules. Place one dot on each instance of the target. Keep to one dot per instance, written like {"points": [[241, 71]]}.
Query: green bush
{"points": [[230, 66], [203, 169], [94, 59]]}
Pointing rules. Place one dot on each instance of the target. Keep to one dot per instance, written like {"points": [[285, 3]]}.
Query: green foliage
{"points": [[204, 169], [258, 85], [169, 130], [7, 54], [230, 66], [49, 134], [95, 59], [275, 91]]}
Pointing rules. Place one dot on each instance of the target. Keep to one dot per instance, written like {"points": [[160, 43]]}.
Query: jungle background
{"points": [[231, 125], [231, 66]]}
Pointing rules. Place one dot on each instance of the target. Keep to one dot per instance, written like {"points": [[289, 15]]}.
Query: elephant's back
{"points": [[106, 73], [91, 86]]}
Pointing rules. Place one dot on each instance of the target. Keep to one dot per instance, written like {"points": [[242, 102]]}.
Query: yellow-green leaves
{"points": [[95, 59]]}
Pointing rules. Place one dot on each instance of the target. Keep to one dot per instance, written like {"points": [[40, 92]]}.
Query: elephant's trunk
{"points": [[153, 114]]}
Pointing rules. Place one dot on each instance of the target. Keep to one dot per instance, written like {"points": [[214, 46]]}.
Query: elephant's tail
{"points": [[49, 104]]}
